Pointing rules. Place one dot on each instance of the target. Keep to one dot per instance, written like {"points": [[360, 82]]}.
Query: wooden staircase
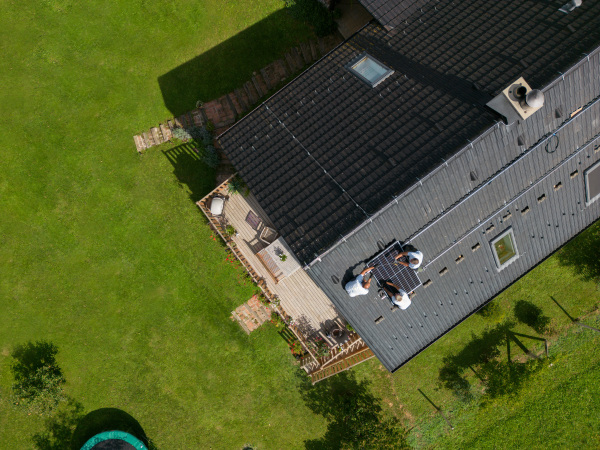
{"points": [[344, 364], [354, 352]]}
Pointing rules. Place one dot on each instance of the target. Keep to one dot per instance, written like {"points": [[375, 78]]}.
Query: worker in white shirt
{"points": [[359, 286], [414, 259], [398, 296]]}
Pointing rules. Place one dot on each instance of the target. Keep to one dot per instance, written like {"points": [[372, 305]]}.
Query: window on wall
{"points": [[504, 249], [592, 183], [369, 70]]}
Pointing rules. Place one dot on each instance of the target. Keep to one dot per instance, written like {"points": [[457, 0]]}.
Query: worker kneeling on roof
{"points": [[359, 286], [398, 296], [414, 259]]}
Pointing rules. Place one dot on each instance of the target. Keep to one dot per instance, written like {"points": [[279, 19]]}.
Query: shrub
{"points": [[277, 320], [350, 328], [237, 186], [210, 156], [181, 134], [229, 230], [296, 348], [314, 13]]}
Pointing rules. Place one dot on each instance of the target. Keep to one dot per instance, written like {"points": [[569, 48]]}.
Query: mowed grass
{"points": [[103, 252]]}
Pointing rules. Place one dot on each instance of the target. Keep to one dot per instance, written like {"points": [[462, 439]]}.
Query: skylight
{"points": [[592, 183], [504, 249], [369, 70]]}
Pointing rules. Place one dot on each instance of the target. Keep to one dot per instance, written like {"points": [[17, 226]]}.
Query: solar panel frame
{"points": [[387, 269]]}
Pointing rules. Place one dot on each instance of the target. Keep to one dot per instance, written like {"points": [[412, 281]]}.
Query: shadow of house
{"points": [[190, 170], [230, 64]]}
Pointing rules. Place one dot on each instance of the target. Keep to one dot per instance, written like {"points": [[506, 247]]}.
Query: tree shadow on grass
{"points": [[353, 413], [531, 315], [230, 64], [70, 428], [38, 379], [481, 356], [582, 254], [190, 170]]}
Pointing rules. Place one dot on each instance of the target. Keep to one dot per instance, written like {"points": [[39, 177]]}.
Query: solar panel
{"points": [[388, 269]]}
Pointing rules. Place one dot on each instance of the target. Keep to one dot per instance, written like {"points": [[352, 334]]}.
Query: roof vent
{"points": [[517, 101]]}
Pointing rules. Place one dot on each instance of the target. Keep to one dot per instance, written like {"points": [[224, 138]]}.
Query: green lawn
{"points": [[103, 253]]}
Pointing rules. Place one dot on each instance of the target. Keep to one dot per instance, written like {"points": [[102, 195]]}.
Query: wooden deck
{"points": [[300, 297]]}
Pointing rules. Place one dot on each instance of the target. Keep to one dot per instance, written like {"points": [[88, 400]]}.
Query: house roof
{"points": [[390, 14], [538, 192], [327, 152]]}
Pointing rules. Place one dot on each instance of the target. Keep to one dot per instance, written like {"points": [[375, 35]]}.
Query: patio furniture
{"points": [[268, 235], [253, 220], [217, 205]]}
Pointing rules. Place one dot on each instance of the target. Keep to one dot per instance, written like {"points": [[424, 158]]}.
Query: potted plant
{"points": [[230, 230]]}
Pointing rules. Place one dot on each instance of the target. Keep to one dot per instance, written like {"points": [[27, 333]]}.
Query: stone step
{"points": [[251, 92], [297, 53], [243, 99], [237, 318], [156, 135], [266, 78], [197, 117], [166, 132], [251, 313], [260, 85], [305, 49], [282, 70], [231, 106], [292, 63], [147, 139], [140, 145], [313, 49], [235, 104]]}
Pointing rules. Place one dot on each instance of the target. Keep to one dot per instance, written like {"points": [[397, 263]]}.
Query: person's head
{"points": [[414, 261]]}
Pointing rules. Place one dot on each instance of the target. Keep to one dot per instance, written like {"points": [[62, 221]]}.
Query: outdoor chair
{"points": [[267, 235]]}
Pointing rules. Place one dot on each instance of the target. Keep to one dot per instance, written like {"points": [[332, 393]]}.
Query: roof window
{"points": [[592, 183], [369, 70], [504, 249]]}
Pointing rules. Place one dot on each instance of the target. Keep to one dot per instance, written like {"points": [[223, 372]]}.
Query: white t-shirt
{"points": [[401, 300], [415, 255], [355, 287]]}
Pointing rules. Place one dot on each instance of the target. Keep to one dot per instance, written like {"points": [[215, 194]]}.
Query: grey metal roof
{"points": [[430, 218], [328, 151]]}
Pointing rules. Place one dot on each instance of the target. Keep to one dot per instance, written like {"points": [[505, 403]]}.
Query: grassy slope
{"points": [[557, 408], [102, 252]]}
